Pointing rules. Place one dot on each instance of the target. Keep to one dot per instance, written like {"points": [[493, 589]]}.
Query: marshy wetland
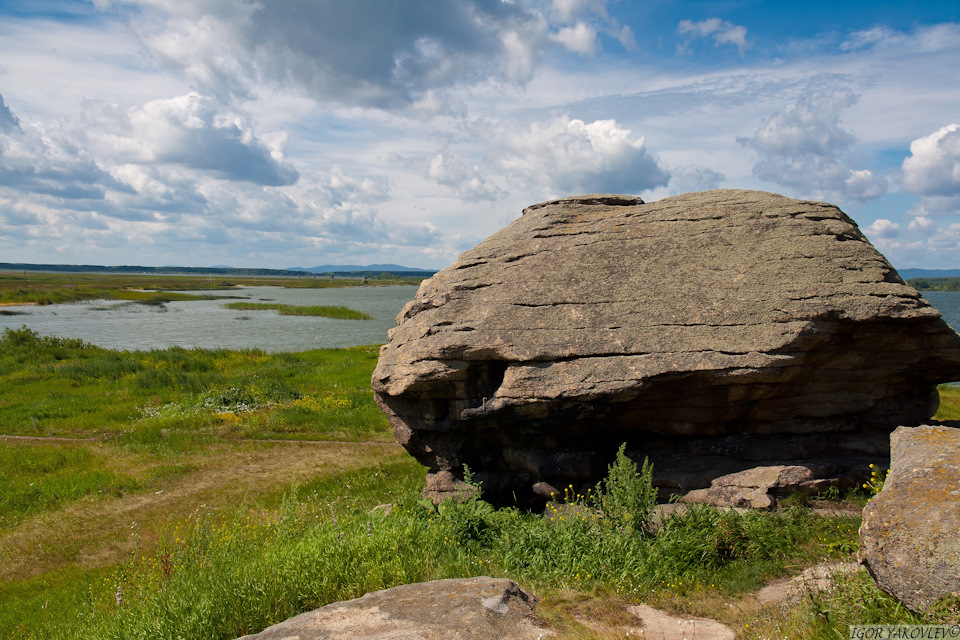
{"points": [[155, 312], [211, 492]]}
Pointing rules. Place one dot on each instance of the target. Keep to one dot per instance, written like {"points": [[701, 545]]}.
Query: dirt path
{"points": [[48, 439], [96, 531]]}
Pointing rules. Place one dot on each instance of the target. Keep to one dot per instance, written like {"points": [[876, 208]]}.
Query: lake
{"points": [[130, 326], [206, 323], [948, 304]]}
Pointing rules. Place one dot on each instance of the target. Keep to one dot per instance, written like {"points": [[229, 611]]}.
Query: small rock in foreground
{"points": [[658, 625], [457, 609], [910, 536]]}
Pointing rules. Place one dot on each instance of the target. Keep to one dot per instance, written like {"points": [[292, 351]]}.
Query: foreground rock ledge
{"points": [[909, 537], [457, 609], [714, 332]]}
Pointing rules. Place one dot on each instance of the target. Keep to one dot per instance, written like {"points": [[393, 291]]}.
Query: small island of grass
{"points": [[340, 313]]}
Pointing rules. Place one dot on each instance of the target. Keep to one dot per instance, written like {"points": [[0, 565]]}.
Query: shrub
{"points": [[26, 345], [626, 497]]}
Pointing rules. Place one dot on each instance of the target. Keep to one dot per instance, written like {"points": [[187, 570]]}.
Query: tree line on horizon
{"points": [[225, 271], [935, 284]]}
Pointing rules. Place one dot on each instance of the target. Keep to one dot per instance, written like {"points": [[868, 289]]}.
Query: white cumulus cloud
{"points": [[581, 38], [572, 156], [692, 177], [579, 22], [193, 131], [363, 52], [722, 32], [802, 147], [466, 180], [883, 228], [921, 223], [8, 121], [46, 161], [933, 166]]}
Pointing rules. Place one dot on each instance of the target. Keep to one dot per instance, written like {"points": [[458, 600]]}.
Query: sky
{"points": [[281, 133]]}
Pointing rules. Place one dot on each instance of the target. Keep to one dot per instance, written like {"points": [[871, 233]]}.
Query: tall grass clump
{"points": [[627, 497], [25, 345], [611, 539], [225, 579]]}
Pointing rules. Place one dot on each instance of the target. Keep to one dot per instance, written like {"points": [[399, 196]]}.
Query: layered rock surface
{"points": [[713, 332], [909, 537]]}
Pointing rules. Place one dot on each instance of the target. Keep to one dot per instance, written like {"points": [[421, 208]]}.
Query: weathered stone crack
{"points": [[598, 199]]}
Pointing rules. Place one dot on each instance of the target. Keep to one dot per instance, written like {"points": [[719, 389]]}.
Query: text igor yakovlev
{"points": [[904, 631]]}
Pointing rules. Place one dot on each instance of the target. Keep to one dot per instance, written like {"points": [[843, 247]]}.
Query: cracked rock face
{"points": [[712, 332]]}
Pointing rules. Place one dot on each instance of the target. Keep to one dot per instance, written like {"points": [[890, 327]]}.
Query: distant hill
{"points": [[355, 268], [907, 274]]}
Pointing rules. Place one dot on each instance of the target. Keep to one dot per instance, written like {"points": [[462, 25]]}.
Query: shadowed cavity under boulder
{"points": [[713, 332]]}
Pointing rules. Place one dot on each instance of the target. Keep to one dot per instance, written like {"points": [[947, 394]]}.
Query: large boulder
{"points": [[910, 536], [713, 332], [456, 609]]}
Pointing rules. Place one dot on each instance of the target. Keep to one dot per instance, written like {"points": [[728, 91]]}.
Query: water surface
{"points": [[206, 323], [948, 304]]}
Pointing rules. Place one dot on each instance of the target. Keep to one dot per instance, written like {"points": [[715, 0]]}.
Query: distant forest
{"points": [[935, 284], [203, 271], [94, 268]]}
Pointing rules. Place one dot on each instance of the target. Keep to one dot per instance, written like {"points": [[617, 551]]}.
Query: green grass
{"points": [[949, 402], [340, 313], [228, 575], [149, 532], [59, 387], [36, 478]]}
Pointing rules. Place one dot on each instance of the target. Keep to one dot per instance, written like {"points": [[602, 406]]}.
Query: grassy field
{"points": [[341, 313], [208, 494], [36, 287], [162, 400]]}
